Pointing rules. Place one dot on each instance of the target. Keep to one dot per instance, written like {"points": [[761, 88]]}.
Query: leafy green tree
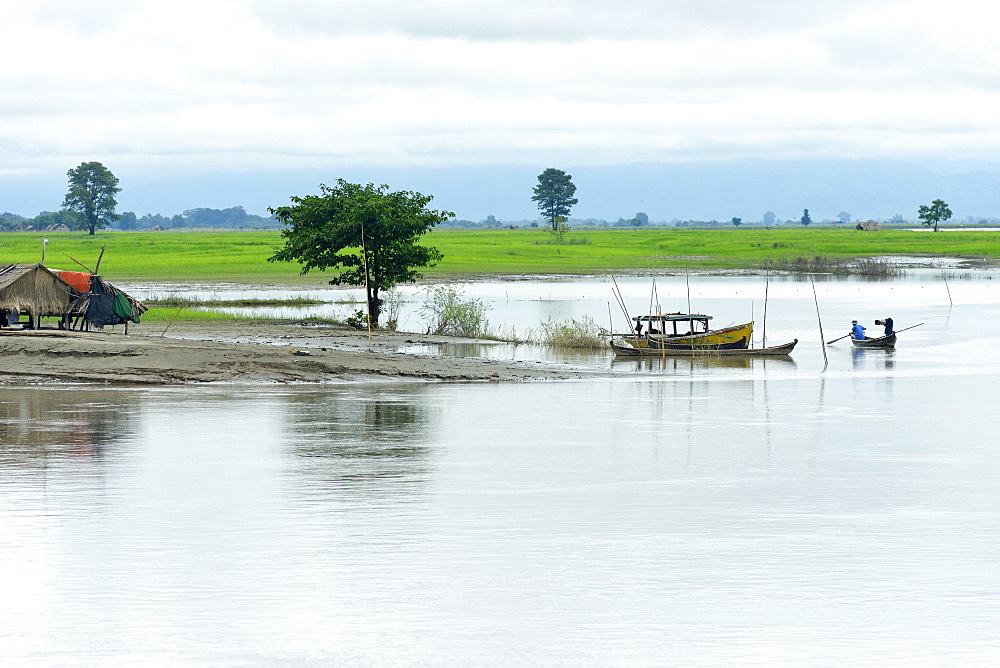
{"points": [[937, 212], [554, 194], [641, 219], [367, 233], [770, 219], [128, 221], [737, 222], [92, 190], [805, 219]]}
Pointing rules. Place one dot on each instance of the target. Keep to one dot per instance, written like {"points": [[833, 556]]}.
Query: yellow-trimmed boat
{"points": [[687, 331]]}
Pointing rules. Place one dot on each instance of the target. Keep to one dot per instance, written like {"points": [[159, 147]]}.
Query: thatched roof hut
{"points": [[33, 288], [69, 295]]}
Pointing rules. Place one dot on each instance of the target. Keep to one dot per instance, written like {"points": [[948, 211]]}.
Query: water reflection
{"points": [[693, 364], [873, 358], [38, 425], [373, 440]]}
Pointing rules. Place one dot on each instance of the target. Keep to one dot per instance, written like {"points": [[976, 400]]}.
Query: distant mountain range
{"points": [[865, 189]]}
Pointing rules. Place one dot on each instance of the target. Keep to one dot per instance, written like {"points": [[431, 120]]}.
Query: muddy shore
{"points": [[244, 354]]}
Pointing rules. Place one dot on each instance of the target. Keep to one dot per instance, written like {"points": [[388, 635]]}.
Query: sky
{"points": [[175, 88]]}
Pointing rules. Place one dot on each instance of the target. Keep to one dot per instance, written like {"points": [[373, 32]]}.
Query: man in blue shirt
{"points": [[857, 331]]}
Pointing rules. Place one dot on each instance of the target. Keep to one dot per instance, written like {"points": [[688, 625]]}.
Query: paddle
{"points": [[835, 340]]}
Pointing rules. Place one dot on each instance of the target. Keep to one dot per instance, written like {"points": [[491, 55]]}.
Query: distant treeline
{"points": [[640, 220], [236, 218], [233, 218]]}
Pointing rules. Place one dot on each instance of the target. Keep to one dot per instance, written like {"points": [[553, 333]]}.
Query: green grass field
{"points": [[241, 256]]}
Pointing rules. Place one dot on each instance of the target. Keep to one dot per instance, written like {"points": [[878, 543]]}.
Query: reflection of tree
{"points": [[37, 424], [366, 443]]}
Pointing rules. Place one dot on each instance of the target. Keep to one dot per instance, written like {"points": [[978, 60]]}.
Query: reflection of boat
{"points": [[624, 348], [688, 363], [664, 331], [888, 341]]}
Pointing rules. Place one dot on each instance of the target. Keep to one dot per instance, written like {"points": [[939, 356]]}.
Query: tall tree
{"points": [[937, 212], [92, 190], [805, 220], [554, 194], [129, 221], [737, 221], [367, 233]]}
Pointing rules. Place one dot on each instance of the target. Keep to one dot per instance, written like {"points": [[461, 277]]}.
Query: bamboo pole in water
{"points": [[945, 277], [767, 279], [621, 305], [621, 302], [687, 281], [652, 298], [822, 339]]}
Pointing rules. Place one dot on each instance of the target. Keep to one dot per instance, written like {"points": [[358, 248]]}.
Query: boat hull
{"points": [[625, 350], [737, 336], [876, 342]]}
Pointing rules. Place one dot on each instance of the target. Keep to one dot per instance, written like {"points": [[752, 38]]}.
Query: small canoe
{"points": [[876, 342], [625, 350]]}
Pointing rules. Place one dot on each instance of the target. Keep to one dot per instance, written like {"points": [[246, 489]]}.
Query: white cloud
{"points": [[241, 83]]}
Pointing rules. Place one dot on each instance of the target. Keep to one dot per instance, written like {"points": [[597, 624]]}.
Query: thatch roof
{"points": [[34, 288]]}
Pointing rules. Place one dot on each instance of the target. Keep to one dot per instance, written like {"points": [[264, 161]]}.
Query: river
{"points": [[693, 512]]}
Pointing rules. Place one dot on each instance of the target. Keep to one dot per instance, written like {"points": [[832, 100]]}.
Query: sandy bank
{"points": [[240, 353]]}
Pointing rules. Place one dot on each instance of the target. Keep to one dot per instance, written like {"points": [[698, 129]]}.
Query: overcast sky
{"points": [[181, 86]]}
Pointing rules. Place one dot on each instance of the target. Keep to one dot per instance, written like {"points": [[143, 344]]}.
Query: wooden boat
{"points": [[622, 348], [888, 341], [686, 331]]}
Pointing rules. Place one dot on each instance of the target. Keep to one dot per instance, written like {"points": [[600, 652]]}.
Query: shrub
{"points": [[392, 301], [573, 333], [448, 314], [358, 321]]}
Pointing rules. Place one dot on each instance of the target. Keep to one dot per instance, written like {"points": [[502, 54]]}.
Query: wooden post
{"points": [[822, 339], [767, 276]]}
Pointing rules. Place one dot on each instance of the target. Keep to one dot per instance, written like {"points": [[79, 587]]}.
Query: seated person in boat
{"points": [[887, 322], [857, 331]]}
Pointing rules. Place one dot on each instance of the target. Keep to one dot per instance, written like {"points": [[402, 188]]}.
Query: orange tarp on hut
{"points": [[77, 279]]}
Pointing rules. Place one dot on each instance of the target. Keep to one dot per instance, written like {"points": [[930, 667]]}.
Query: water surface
{"points": [[718, 512]]}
